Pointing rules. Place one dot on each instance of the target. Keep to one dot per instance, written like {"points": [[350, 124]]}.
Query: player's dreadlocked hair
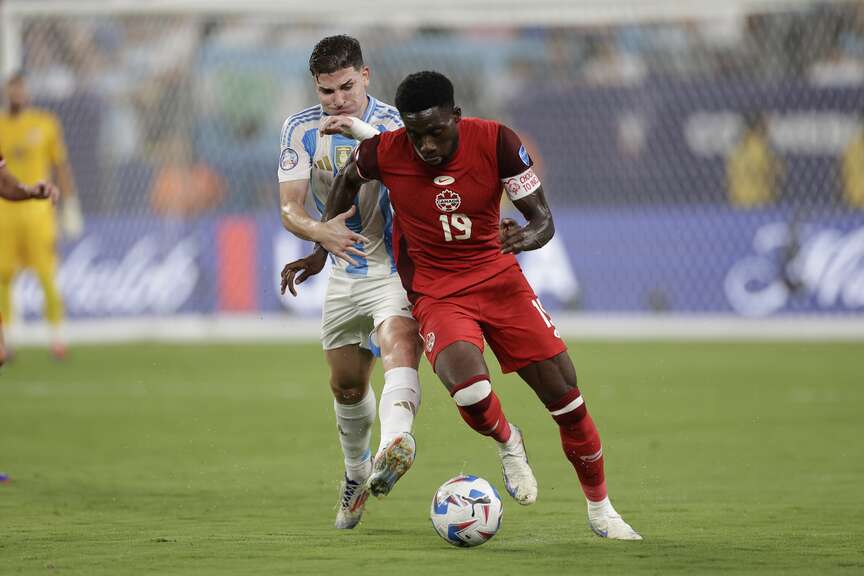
{"points": [[335, 53], [424, 90]]}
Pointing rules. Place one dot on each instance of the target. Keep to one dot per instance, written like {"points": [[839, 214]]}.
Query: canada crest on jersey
{"points": [[448, 201]]}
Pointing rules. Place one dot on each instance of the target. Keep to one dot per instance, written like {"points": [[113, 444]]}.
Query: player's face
{"points": [[16, 94], [434, 133], [343, 92]]}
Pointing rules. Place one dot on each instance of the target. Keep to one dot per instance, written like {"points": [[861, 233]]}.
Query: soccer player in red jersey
{"points": [[12, 189], [446, 174]]}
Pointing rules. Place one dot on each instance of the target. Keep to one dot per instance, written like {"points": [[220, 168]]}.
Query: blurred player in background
{"points": [[364, 295], [852, 168], [32, 140], [11, 189], [754, 171], [446, 174]]}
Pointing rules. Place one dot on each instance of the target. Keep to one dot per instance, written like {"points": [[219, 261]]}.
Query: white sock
{"points": [[601, 507], [400, 401], [354, 423]]}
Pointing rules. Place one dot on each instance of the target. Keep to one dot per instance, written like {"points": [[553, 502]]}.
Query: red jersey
{"points": [[445, 229]]}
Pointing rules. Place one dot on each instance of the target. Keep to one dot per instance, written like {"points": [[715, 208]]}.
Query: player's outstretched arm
{"points": [[335, 237], [11, 189], [536, 233]]}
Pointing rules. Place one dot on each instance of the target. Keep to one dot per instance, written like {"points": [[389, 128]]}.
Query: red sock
{"points": [[581, 443], [480, 408]]}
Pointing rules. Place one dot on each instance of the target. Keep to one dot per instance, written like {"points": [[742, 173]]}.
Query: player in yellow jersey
{"points": [[12, 189], [32, 143]]}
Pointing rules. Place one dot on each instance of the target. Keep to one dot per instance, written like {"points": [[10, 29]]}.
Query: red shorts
{"points": [[503, 309]]}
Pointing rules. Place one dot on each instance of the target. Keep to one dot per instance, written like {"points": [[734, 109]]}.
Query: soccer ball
{"points": [[466, 511]]}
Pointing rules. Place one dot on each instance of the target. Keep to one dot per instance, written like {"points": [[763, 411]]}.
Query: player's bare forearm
{"points": [[12, 189], [335, 237], [296, 220], [65, 181], [536, 233], [345, 189], [293, 214]]}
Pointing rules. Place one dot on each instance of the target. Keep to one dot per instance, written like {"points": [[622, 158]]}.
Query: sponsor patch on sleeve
{"points": [[522, 184], [288, 159]]}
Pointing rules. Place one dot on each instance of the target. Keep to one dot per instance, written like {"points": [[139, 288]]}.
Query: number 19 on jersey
{"points": [[456, 226]]}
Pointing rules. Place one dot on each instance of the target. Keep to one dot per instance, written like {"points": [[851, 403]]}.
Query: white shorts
{"points": [[355, 307]]}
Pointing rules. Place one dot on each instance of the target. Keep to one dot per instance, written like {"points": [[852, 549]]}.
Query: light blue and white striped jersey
{"points": [[306, 154]]}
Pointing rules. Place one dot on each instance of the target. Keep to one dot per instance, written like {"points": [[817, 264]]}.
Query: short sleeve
{"points": [[56, 144], [515, 165], [366, 158], [295, 163]]}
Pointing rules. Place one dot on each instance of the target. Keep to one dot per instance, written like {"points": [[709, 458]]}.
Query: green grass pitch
{"points": [[728, 458]]}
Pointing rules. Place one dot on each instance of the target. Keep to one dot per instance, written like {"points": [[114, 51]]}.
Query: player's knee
{"points": [[348, 392], [473, 391], [458, 362], [400, 342]]}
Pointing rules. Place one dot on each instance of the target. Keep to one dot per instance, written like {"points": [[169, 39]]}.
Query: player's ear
{"points": [[365, 72], [457, 114]]}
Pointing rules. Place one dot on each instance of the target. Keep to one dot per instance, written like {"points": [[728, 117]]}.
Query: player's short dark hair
{"points": [[424, 90], [335, 53]]}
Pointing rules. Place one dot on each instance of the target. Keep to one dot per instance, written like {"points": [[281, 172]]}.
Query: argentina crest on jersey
{"points": [[341, 155]]}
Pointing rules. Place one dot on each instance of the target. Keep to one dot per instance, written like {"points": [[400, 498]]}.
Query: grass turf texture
{"points": [[728, 458]]}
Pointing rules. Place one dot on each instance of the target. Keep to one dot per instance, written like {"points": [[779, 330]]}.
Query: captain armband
{"points": [[522, 184]]}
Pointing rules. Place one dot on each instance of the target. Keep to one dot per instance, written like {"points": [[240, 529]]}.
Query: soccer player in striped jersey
{"points": [[364, 298], [12, 189]]}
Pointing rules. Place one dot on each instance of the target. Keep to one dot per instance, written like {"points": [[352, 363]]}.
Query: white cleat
{"points": [[518, 476], [352, 501], [391, 464], [607, 523]]}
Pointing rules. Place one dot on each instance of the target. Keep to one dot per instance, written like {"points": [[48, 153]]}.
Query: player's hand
{"points": [[511, 235], [337, 125], [347, 126], [338, 240], [308, 266], [45, 191]]}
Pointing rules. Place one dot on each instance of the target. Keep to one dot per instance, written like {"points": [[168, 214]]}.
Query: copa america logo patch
{"points": [[523, 154], [448, 201], [430, 341], [288, 159]]}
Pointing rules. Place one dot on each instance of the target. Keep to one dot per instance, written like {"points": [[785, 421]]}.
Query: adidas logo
{"points": [[407, 406]]}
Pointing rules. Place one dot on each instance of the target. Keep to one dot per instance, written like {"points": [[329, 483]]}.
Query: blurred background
{"points": [[701, 160]]}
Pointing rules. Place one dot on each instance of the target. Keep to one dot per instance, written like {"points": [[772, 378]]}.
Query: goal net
{"points": [[696, 163]]}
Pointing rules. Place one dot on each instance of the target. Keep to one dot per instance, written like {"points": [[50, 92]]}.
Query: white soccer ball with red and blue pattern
{"points": [[466, 511]]}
